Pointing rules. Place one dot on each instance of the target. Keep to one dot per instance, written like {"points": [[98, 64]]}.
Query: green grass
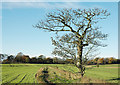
{"points": [[25, 73], [101, 73], [106, 65], [17, 73], [108, 74]]}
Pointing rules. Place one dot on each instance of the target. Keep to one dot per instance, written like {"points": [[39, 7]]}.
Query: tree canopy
{"points": [[79, 28]]}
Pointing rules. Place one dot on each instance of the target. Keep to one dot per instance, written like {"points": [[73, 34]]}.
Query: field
{"points": [[58, 73]]}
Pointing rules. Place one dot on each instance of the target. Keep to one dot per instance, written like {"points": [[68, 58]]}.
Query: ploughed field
{"points": [[58, 73]]}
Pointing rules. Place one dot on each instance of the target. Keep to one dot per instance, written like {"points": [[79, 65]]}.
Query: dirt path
{"points": [[101, 67], [111, 67], [105, 67]]}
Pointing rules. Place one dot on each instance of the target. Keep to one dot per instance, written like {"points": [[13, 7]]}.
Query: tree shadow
{"points": [[45, 75], [114, 79]]}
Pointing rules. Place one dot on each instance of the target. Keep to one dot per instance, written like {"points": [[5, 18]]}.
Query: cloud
{"points": [[45, 5], [60, 0], [41, 5]]}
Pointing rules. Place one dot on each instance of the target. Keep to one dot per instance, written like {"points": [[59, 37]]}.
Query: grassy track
{"points": [[25, 73]]}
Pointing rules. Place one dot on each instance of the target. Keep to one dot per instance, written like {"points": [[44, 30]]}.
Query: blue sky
{"points": [[18, 34]]}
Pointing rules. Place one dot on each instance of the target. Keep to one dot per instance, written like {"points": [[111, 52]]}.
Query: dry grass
{"points": [[38, 74], [54, 71], [65, 74]]}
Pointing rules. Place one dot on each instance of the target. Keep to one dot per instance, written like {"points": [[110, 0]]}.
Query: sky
{"points": [[18, 34], [59, 0]]}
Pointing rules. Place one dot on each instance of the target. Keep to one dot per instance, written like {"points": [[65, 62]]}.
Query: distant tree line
{"points": [[21, 58], [110, 60]]}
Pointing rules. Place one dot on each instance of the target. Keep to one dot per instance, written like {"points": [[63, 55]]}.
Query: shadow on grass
{"points": [[45, 75], [114, 79]]}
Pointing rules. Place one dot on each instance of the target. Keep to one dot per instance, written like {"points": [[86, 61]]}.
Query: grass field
{"points": [[58, 73]]}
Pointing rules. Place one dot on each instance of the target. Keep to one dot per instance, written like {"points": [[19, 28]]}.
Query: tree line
{"points": [[110, 60], [21, 58]]}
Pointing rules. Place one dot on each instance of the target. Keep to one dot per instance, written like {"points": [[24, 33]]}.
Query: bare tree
{"points": [[62, 47], [68, 50], [81, 23]]}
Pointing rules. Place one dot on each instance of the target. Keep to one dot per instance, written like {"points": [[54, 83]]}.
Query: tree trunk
{"points": [[79, 53]]}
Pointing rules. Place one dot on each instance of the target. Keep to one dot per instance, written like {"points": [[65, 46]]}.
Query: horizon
{"points": [[59, 56], [19, 35]]}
